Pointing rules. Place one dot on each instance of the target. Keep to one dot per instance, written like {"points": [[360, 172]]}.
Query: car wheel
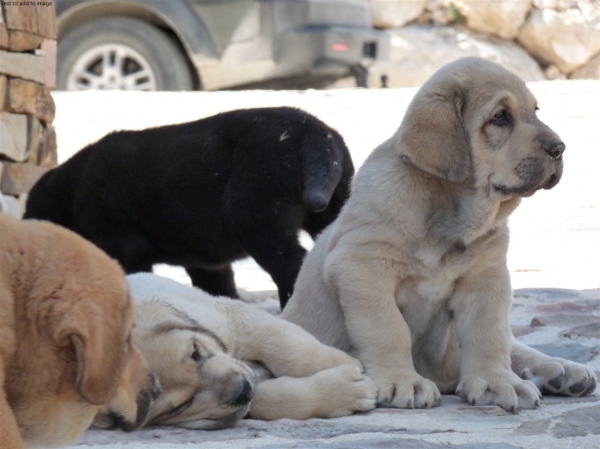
{"points": [[121, 53]]}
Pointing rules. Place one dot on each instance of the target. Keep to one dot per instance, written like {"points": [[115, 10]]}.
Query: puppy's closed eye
{"points": [[196, 354]]}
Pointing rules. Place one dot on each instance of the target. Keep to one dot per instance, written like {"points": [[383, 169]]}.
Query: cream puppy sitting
{"points": [[412, 278]]}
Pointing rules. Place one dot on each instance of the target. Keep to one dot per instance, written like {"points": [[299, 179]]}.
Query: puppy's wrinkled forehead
{"points": [[487, 84], [180, 321]]}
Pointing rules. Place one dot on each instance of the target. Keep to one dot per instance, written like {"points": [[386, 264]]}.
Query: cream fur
{"points": [[292, 374], [412, 278]]}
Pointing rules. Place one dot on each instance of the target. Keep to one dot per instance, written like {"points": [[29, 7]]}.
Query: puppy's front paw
{"points": [[346, 389], [407, 391], [561, 377], [502, 388]]}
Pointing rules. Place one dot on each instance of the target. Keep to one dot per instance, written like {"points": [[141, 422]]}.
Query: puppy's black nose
{"points": [[244, 393], [554, 149]]}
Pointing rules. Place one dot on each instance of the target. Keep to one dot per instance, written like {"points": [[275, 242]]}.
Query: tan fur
{"points": [[291, 374], [65, 317], [412, 278]]}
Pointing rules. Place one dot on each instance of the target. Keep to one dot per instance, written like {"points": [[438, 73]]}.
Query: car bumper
{"points": [[335, 49]]}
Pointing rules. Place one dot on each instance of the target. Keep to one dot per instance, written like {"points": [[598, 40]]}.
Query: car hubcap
{"points": [[111, 66]]}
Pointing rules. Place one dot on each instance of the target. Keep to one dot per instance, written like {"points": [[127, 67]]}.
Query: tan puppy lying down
{"points": [[219, 360], [65, 347], [411, 278]]}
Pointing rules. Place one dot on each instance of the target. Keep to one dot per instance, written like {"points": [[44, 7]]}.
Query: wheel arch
{"points": [[151, 12], [88, 11]]}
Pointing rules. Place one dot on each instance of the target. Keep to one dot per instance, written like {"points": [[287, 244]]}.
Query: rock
{"points": [[502, 19], [564, 320], [10, 205], [22, 65], [384, 443], [553, 295], [574, 351], [533, 427], [31, 98], [558, 5], [13, 136], [37, 19], [577, 423], [590, 71], [520, 331], [47, 25], [487, 446], [441, 12], [34, 140], [49, 49], [583, 306], [591, 330], [419, 50], [23, 41], [3, 83], [46, 153], [19, 178], [567, 39], [553, 73], [41, 143], [395, 13], [3, 32], [585, 6]]}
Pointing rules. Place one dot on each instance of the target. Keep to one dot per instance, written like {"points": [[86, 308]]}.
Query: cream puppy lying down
{"points": [[219, 360]]}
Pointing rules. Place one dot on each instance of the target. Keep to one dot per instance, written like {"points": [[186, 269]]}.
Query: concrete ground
{"points": [[554, 259]]}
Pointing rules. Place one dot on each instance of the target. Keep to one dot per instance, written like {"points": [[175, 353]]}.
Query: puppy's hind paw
{"points": [[558, 376]]}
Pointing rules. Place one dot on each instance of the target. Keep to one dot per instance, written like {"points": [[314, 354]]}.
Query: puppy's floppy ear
{"points": [[98, 340], [432, 135]]}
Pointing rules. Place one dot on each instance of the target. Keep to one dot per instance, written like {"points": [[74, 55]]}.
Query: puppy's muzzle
{"points": [[237, 392], [555, 149], [144, 401], [245, 393]]}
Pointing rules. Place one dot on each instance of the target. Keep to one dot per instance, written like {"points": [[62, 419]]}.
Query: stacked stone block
{"points": [[27, 73]]}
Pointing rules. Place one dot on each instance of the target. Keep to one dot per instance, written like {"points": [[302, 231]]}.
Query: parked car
{"points": [[212, 44]]}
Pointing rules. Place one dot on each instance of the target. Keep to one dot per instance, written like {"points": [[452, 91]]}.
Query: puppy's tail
{"points": [[323, 162]]}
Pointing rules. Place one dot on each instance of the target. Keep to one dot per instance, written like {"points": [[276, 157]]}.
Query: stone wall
{"points": [[27, 72], [538, 39]]}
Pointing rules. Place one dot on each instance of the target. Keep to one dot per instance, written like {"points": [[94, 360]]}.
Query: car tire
{"points": [[121, 53]]}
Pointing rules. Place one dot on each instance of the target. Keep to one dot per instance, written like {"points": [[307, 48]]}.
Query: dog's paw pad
{"points": [[561, 377], [578, 388], [556, 383]]}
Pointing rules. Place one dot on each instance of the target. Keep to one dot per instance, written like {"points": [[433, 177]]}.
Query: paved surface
{"points": [[554, 260]]}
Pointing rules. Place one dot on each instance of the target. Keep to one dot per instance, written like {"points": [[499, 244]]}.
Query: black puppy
{"points": [[205, 193]]}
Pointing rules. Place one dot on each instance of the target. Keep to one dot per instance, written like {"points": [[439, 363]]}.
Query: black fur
{"points": [[205, 193]]}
